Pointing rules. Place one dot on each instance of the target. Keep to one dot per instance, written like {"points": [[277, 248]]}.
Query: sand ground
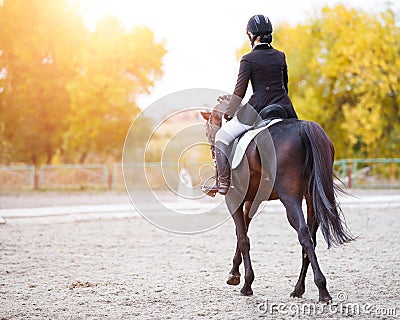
{"points": [[129, 269]]}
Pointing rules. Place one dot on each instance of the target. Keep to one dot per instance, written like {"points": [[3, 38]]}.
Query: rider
{"points": [[266, 68]]}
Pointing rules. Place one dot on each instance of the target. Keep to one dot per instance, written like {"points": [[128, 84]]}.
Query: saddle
{"points": [[271, 112], [270, 115]]}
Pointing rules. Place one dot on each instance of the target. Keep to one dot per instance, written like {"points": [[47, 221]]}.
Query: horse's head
{"points": [[213, 124]]}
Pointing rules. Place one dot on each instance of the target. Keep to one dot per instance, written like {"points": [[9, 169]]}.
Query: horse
{"points": [[304, 169]]}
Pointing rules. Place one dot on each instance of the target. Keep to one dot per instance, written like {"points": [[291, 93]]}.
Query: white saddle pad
{"points": [[245, 141]]}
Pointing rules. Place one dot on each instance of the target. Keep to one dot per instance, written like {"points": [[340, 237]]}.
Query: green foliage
{"points": [[65, 90], [344, 74]]}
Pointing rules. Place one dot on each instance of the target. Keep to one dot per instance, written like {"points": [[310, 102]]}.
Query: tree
{"points": [[39, 43], [343, 74], [66, 91], [118, 65]]}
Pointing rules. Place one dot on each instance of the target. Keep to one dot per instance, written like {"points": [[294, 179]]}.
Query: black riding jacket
{"points": [[266, 69]]}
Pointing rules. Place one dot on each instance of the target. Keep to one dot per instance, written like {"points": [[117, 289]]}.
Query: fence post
{"points": [[392, 172], [344, 169], [32, 181], [355, 173], [40, 180], [115, 176], [350, 178], [106, 177]]}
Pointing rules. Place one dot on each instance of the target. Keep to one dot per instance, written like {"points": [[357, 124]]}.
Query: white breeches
{"points": [[230, 130]]}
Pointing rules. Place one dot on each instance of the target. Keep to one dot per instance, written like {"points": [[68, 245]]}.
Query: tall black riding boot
{"points": [[222, 154], [223, 172]]}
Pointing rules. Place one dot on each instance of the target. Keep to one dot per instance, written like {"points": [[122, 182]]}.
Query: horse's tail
{"points": [[319, 164]]}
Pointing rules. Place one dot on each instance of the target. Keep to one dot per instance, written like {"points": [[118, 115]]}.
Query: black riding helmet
{"points": [[259, 26]]}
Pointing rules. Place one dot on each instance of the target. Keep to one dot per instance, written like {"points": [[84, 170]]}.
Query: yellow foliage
{"points": [[66, 92], [344, 74], [118, 65]]}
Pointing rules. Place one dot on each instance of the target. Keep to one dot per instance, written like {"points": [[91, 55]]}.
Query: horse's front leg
{"points": [[250, 208], [234, 274], [243, 245]]}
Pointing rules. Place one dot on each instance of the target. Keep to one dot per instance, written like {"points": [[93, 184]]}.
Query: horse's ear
{"points": [[206, 115]]}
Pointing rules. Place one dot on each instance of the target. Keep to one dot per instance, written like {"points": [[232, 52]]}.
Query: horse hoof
{"points": [[295, 294], [233, 279], [325, 299], [246, 291]]}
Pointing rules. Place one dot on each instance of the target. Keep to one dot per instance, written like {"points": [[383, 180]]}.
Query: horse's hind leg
{"points": [[250, 208], [296, 220], [313, 226]]}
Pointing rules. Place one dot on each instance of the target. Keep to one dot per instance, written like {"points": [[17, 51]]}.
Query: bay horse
{"points": [[304, 169]]}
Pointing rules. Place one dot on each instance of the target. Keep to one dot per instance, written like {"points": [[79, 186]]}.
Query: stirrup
{"points": [[210, 190]]}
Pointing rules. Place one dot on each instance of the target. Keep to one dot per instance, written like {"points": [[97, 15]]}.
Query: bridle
{"points": [[210, 137], [211, 130]]}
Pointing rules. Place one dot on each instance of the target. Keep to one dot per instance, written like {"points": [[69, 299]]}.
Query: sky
{"points": [[202, 36]]}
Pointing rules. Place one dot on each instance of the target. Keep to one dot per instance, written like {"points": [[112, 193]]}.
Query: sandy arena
{"points": [[126, 268]]}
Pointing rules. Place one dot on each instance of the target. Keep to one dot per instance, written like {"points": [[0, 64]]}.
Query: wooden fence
{"points": [[354, 173]]}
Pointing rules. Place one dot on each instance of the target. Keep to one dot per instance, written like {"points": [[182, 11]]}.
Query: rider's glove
{"points": [[224, 98], [227, 117]]}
